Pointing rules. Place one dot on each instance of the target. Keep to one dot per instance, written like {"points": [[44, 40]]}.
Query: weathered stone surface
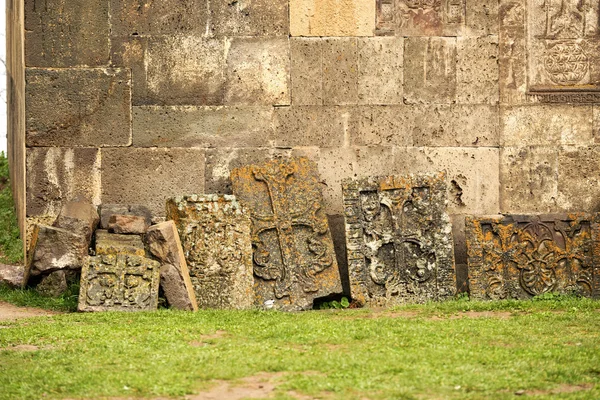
{"points": [[220, 126], [53, 284], [258, 71], [596, 123], [221, 161], [578, 178], [114, 243], [119, 283], [420, 17], [78, 107], [57, 35], [128, 224], [12, 275], [332, 18], [108, 210], [215, 235], [80, 217], [399, 239], [482, 17], [164, 243], [310, 126], [430, 70], [512, 52], [151, 176], [249, 18], [306, 72], [56, 175], [340, 71], [32, 223], [294, 259], [380, 70], [523, 256], [477, 70]]}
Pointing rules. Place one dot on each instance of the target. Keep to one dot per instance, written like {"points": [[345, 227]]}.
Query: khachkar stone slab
{"points": [[120, 282], [215, 236], [294, 260], [398, 239], [420, 17], [563, 45], [524, 256]]}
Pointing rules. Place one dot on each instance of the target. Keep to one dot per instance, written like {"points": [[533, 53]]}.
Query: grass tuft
{"points": [[29, 297], [11, 246]]}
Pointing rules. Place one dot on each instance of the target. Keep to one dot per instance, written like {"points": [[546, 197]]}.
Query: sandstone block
{"points": [[477, 70], [258, 71], [332, 18], [120, 282], [57, 175], [53, 285], [482, 17], [66, 36], [578, 178], [229, 126], [420, 17], [340, 71], [380, 70], [294, 259], [399, 239], [430, 70], [512, 52], [127, 224], [108, 210], [221, 161], [524, 256], [306, 71], [596, 123], [80, 217], [215, 235], [310, 126], [249, 18], [113, 244], [384, 125], [150, 176], [12, 275]]}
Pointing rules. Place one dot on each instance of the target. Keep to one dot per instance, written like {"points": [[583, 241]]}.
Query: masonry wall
{"points": [[135, 101]]}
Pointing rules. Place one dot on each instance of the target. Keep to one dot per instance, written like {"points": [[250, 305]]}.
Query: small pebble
{"points": [[520, 392]]}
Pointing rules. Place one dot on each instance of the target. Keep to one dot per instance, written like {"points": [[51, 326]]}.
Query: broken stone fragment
{"points": [[164, 243], [80, 217], [127, 224], [12, 275], [108, 210], [53, 285], [115, 243]]}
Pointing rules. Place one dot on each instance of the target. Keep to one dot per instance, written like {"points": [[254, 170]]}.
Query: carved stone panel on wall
{"points": [[215, 236], [120, 282], [420, 17], [523, 256], [563, 45], [294, 260], [399, 239]]}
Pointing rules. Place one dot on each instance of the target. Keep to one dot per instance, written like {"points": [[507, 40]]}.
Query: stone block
{"points": [[380, 70], [258, 71], [119, 283], [579, 178], [113, 244], [477, 70], [294, 259], [31, 224], [78, 107], [249, 18], [521, 256], [108, 210], [215, 235], [399, 240], [164, 243], [80, 217], [512, 52], [58, 35], [420, 17], [482, 17], [150, 176], [127, 224], [311, 126], [340, 71], [229, 126], [596, 123], [306, 71], [384, 125], [430, 70], [12, 275], [332, 18], [57, 175], [546, 125], [53, 284]]}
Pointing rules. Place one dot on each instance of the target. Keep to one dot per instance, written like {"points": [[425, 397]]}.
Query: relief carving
{"points": [[419, 17]]}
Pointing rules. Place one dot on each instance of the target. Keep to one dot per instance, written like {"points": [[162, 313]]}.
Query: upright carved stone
{"points": [[399, 239], [523, 256], [215, 235], [294, 260], [119, 283], [420, 17]]}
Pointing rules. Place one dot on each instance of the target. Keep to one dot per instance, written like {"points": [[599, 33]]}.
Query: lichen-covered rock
{"points": [[80, 217], [53, 285], [215, 235], [114, 243], [399, 239], [12, 275], [127, 224], [294, 259], [164, 243]]}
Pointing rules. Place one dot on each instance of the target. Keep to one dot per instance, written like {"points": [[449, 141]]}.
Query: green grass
{"points": [[413, 352], [31, 298], [11, 247]]}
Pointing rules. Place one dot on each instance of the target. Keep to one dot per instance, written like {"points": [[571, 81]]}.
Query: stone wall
{"points": [[136, 101]]}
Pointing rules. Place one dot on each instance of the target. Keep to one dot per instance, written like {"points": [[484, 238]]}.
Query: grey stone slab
{"points": [[114, 243], [80, 217], [380, 70], [310, 126], [420, 17], [108, 210], [119, 283], [399, 240], [294, 259], [477, 70], [216, 238], [78, 107], [12, 275]]}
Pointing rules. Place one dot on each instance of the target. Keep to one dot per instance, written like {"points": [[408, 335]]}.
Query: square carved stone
{"points": [[520, 256], [420, 17], [215, 236], [294, 259], [399, 239], [120, 282]]}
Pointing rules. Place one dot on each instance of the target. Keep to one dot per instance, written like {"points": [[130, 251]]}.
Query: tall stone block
{"points": [[215, 236], [517, 257], [332, 18], [294, 259], [399, 239]]}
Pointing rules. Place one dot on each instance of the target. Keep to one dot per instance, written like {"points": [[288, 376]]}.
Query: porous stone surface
{"points": [[108, 210], [215, 235], [114, 243], [521, 256], [420, 17], [294, 258], [12, 275], [80, 217], [53, 284], [121, 282], [332, 18], [164, 243], [127, 224], [399, 239]]}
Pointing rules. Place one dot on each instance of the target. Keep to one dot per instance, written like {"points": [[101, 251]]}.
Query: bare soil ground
{"points": [[8, 312]]}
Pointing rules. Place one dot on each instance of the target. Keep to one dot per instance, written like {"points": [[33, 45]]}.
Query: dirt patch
{"points": [[564, 388], [258, 386], [8, 312], [22, 347], [205, 339]]}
